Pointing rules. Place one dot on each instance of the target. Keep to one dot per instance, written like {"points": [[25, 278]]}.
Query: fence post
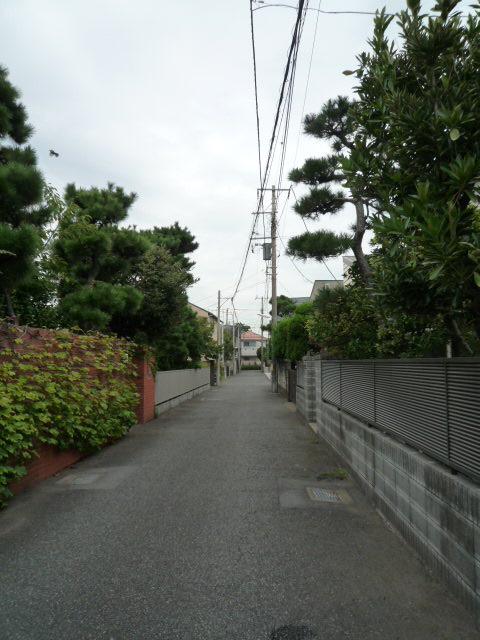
{"points": [[146, 389]]}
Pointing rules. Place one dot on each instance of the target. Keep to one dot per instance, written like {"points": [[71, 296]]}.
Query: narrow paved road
{"points": [[198, 526]]}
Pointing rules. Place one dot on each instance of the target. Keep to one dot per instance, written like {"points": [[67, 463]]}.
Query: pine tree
{"points": [[22, 214], [96, 258], [324, 175]]}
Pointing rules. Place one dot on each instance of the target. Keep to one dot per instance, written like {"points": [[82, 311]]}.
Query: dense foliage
{"points": [[70, 391], [418, 104], [74, 262], [407, 150], [23, 212], [289, 339]]}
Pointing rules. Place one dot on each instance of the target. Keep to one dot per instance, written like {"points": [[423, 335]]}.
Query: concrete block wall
{"points": [[436, 511], [282, 366], [307, 388], [174, 387]]}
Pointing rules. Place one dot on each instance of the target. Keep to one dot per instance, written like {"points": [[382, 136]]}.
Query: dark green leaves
{"points": [[319, 245]]}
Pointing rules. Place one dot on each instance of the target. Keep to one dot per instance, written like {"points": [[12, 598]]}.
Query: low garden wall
{"points": [[306, 394], [174, 387], [435, 508], [63, 396]]}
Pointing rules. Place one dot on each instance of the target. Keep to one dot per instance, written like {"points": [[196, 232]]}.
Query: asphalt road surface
{"points": [[203, 525]]}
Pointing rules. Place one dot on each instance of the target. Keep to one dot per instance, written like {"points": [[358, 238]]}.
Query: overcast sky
{"points": [[158, 97]]}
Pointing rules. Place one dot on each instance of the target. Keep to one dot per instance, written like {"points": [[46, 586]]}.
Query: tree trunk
{"points": [[10, 310], [458, 340], [360, 228]]}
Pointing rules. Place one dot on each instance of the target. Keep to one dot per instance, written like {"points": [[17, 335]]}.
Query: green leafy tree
{"points": [[344, 323], [179, 241], [187, 343], [23, 213], [227, 346], [162, 282], [285, 306], [290, 339], [325, 178], [418, 99], [96, 258]]}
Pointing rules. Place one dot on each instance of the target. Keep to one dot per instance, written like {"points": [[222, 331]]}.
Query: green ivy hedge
{"points": [[61, 389]]}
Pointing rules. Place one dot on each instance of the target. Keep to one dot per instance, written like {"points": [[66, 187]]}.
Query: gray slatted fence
{"points": [[432, 404]]}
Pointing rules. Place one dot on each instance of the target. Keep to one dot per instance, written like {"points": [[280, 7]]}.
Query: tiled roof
{"points": [[250, 335]]}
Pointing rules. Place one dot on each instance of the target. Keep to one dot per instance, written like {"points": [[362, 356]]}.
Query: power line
{"points": [[290, 99], [295, 36], [308, 231], [308, 79], [290, 6], [254, 56], [286, 75], [294, 264], [303, 106]]}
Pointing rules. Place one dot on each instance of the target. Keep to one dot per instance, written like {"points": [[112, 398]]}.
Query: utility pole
{"points": [[274, 280], [234, 354], [219, 339], [239, 363], [262, 354], [226, 327]]}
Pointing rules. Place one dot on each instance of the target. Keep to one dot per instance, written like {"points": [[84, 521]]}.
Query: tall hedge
{"points": [[62, 389]]}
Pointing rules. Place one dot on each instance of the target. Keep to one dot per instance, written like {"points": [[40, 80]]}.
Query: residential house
{"points": [[318, 285], [348, 261], [210, 317], [250, 343]]}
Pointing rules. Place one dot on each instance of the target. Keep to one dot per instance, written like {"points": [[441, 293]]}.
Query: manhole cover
{"points": [[323, 495]]}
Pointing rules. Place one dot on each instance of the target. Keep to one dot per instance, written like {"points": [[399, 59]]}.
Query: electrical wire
{"points": [[290, 6], [307, 84], [290, 99], [254, 57], [308, 231], [286, 75], [295, 265]]}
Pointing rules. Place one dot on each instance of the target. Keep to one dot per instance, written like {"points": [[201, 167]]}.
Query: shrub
{"points": [[290, 340], [61, 389], [344, 323]]}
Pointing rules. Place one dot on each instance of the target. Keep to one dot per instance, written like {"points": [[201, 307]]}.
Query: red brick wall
{"points": [[146, 390], [49, 462], [34, 340]]}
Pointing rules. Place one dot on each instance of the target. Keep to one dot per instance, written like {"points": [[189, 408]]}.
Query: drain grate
{"points": [[323, 495]]}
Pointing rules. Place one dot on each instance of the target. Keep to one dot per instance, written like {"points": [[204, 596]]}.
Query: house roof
{"points": [[324, 284], [212, 315], [250, 335]]}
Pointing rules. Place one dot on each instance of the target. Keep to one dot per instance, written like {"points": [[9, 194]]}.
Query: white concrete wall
{"points": [[174, 387], [251, 350]]}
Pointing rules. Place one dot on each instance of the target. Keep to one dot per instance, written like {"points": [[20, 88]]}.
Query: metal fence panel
{"points": [[463, 415], [411, 402], [432, 404], [358, 387], [331, 388]]}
